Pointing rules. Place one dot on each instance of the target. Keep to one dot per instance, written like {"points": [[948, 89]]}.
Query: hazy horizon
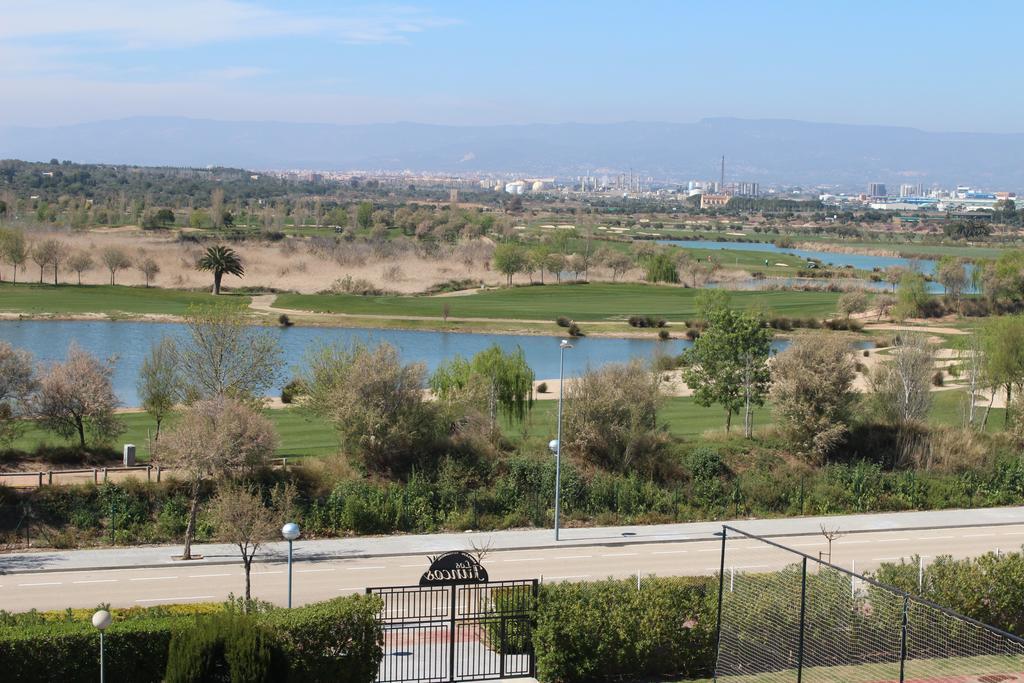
{"points": [[463, 63]]}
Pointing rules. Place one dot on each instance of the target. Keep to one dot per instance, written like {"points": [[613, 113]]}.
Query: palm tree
{"points": [[221, 260]]}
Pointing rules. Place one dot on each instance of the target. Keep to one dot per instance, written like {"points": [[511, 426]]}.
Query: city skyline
{"points": [[460, 63]]}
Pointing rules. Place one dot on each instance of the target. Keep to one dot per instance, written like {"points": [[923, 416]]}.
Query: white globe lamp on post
{"points": [[101, 620], [290, 531]]}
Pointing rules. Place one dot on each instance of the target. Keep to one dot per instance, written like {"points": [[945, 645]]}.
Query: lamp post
{"points": [[290, 531], [556, 445], [101, 620]]}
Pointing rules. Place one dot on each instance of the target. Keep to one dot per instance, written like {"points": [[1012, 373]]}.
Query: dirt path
{"points": [[913, 328]]}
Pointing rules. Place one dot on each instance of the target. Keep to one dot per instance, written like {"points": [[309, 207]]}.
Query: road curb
{"points": [[584, 543]]}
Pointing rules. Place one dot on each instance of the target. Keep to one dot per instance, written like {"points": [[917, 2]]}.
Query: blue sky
{"points": [[934, 65]]}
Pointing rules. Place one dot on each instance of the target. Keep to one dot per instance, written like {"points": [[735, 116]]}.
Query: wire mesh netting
{"points": [[815, 622]]}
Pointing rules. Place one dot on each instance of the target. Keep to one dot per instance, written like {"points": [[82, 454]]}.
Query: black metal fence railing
{"points": [[815, 621], [457, 633]]}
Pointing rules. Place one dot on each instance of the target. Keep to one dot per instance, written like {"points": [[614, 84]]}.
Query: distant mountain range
{"points": [[766, 151]]}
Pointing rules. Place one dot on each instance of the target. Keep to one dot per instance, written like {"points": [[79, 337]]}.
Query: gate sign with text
{"points": [[453, 568]]}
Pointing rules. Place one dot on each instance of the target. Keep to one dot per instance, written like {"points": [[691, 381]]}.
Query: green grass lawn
{"points": [[299, 434], [74, 299], [591, 302]]}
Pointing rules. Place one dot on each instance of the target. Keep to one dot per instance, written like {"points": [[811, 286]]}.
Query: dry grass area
{"points": [[304, 265]]}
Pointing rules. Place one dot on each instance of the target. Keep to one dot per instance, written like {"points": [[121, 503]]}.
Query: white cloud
{"points": [[129, 24]]}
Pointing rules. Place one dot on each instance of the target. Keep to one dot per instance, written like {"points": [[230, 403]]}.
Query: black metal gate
{"points": [[469, 632]]}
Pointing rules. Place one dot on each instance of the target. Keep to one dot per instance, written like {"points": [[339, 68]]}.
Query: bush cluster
{"points": [[706, 483], [609, 630], [337, 640], [645, 321]]}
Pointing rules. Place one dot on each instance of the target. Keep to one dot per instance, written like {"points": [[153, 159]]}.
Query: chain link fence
{"points": [[813, 621]]}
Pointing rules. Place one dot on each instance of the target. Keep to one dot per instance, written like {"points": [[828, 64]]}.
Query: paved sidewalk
{"points": [[525, 539]]}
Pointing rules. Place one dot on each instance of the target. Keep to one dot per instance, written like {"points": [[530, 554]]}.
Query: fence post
{"points": [[40, 479], [451, 635], [853, 580], [158, 470], [903, 638], [104, 474], [920, 574], [149, 473], [95, 476], [803, 618], [721, 590], [49, 477]]}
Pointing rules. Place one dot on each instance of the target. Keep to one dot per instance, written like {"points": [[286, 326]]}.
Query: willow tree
{"points": [[506, 380]]}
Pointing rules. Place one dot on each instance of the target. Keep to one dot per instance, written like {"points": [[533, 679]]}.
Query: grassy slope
{"points": [[74, 299], [593, 302], [304, 435]]}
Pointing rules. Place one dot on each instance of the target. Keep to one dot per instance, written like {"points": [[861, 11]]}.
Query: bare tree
{"points": [[226, 357], [902, 386], [149, 268], [159, 382], [240, 517], [80, 262], [48, 253], [76, 397], [115, 259], [217, 207], [17, 385], [216, 437]]}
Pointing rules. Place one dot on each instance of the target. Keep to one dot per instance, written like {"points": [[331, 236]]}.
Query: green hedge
{"points": [[609, 630], [337, 640]]}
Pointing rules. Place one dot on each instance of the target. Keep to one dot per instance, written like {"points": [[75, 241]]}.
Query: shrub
{"points": [[230, 647], [611, 416], [284, 321], [663, 335], [937, 378], [293, 390], [609, 630], [575, 331], [562, 321], [866, 353], [542, 388], [337, 640]]}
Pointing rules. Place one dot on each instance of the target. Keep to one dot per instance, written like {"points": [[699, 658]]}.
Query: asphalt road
{"points": [[319, 580]]}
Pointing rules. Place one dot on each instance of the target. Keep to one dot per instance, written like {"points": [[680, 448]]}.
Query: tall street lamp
{"points": [[556, 445], [101, 620], [290, 531]]}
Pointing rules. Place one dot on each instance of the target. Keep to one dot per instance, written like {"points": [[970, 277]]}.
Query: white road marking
{"points": [[352, 569], [885, 559], [891, 540], [671, 552], [571, 557], [707, 550], [311, 571], [97, 581], [523, 559], [153, 578], [204, 576], [190, 597], [418, 564], [978, 535], [852, 542], [44, 583], [936, 538], [620, 555], [573, 576]]}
